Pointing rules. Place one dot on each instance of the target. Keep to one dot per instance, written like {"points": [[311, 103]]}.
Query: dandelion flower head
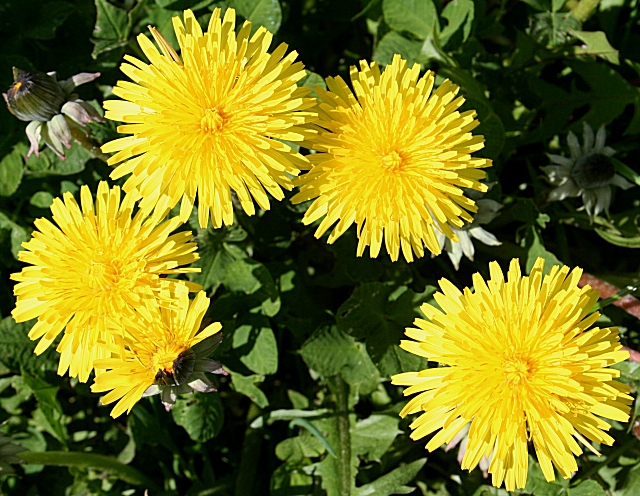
{"points": [[91, 265], [154, 339], [393, 158], [520, 360], [210, 120]]}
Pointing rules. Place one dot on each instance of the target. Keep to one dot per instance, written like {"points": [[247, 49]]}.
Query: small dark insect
{"points": [[179, 372]]}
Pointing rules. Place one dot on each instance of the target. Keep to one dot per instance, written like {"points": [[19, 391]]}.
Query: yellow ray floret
{"points": [[211, 120], [392, 158], [92, 265], [154, 338], [520, 361]]}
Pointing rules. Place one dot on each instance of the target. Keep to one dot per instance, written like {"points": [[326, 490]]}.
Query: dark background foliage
{"points": [[312, 331]]}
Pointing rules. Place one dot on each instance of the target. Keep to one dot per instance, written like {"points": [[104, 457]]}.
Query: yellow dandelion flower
{"points": [[96, 264], [393, 159], [519, 361], [211, 120], [162, 347]]}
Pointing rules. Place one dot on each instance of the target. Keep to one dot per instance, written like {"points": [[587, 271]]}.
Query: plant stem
{"points": [[585, 9], [340, 391], [249, 460]]}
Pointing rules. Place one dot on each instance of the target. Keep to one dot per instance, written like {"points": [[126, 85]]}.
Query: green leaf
{"points": [[379, 314], [216, 255], [460, 15], [41, 199], [112, 28], [265, 13], [587, 488], [394, 43], [48, 415], [50, 164], [626, 171], [552, 29], [417, 17], [610, 94], [16, 349], [299, 447], [330, 352], [312, 80], [253, 278], [315, 432], [247, 385], [596, 43], [373, 436], [201, 415], [11, 170], [90, 460], [536, 249], [18, 233], [632, 484], [393, 482], [538, 485], [256, 344]]}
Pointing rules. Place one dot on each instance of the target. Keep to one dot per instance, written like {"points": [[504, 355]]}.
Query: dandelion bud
{"points": [[593, 170], [34, 96], [55, 112]]}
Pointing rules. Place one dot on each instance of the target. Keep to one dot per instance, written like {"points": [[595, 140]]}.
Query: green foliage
{"points": [[312, 332]]}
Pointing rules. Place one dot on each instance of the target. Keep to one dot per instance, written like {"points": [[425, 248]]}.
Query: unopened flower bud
{"points": [[34, 96], [593, 170]]}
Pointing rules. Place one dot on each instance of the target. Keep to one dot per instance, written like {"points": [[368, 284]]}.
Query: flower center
{"points": [[392, 161], [593, 170], [103, 276], [517, 369], [213, 120]]}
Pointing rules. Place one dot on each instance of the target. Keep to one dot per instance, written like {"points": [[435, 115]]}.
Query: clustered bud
{"points": [[54, 112]]}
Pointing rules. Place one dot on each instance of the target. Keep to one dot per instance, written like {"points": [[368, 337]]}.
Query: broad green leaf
{"points": [[417, 17], [216, 254], [50, 164], [615, 239], [253, 278], [552, 29], [111, 29], [267, 13], [587, 488], [18, 234], [201, 415], [91, 460], [41, 199], [373, 436], [256, 344], [330, 352], [393, 482], [538, 485], [460, 15], [247, 385], [596, 43], [290, 479], [315, 432], [541, 5], [298, 400], [11, 170], [312, 80], [296, 448], [610, 94], [394, 43], [379, 314], [16, 349], [632, 484]]}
